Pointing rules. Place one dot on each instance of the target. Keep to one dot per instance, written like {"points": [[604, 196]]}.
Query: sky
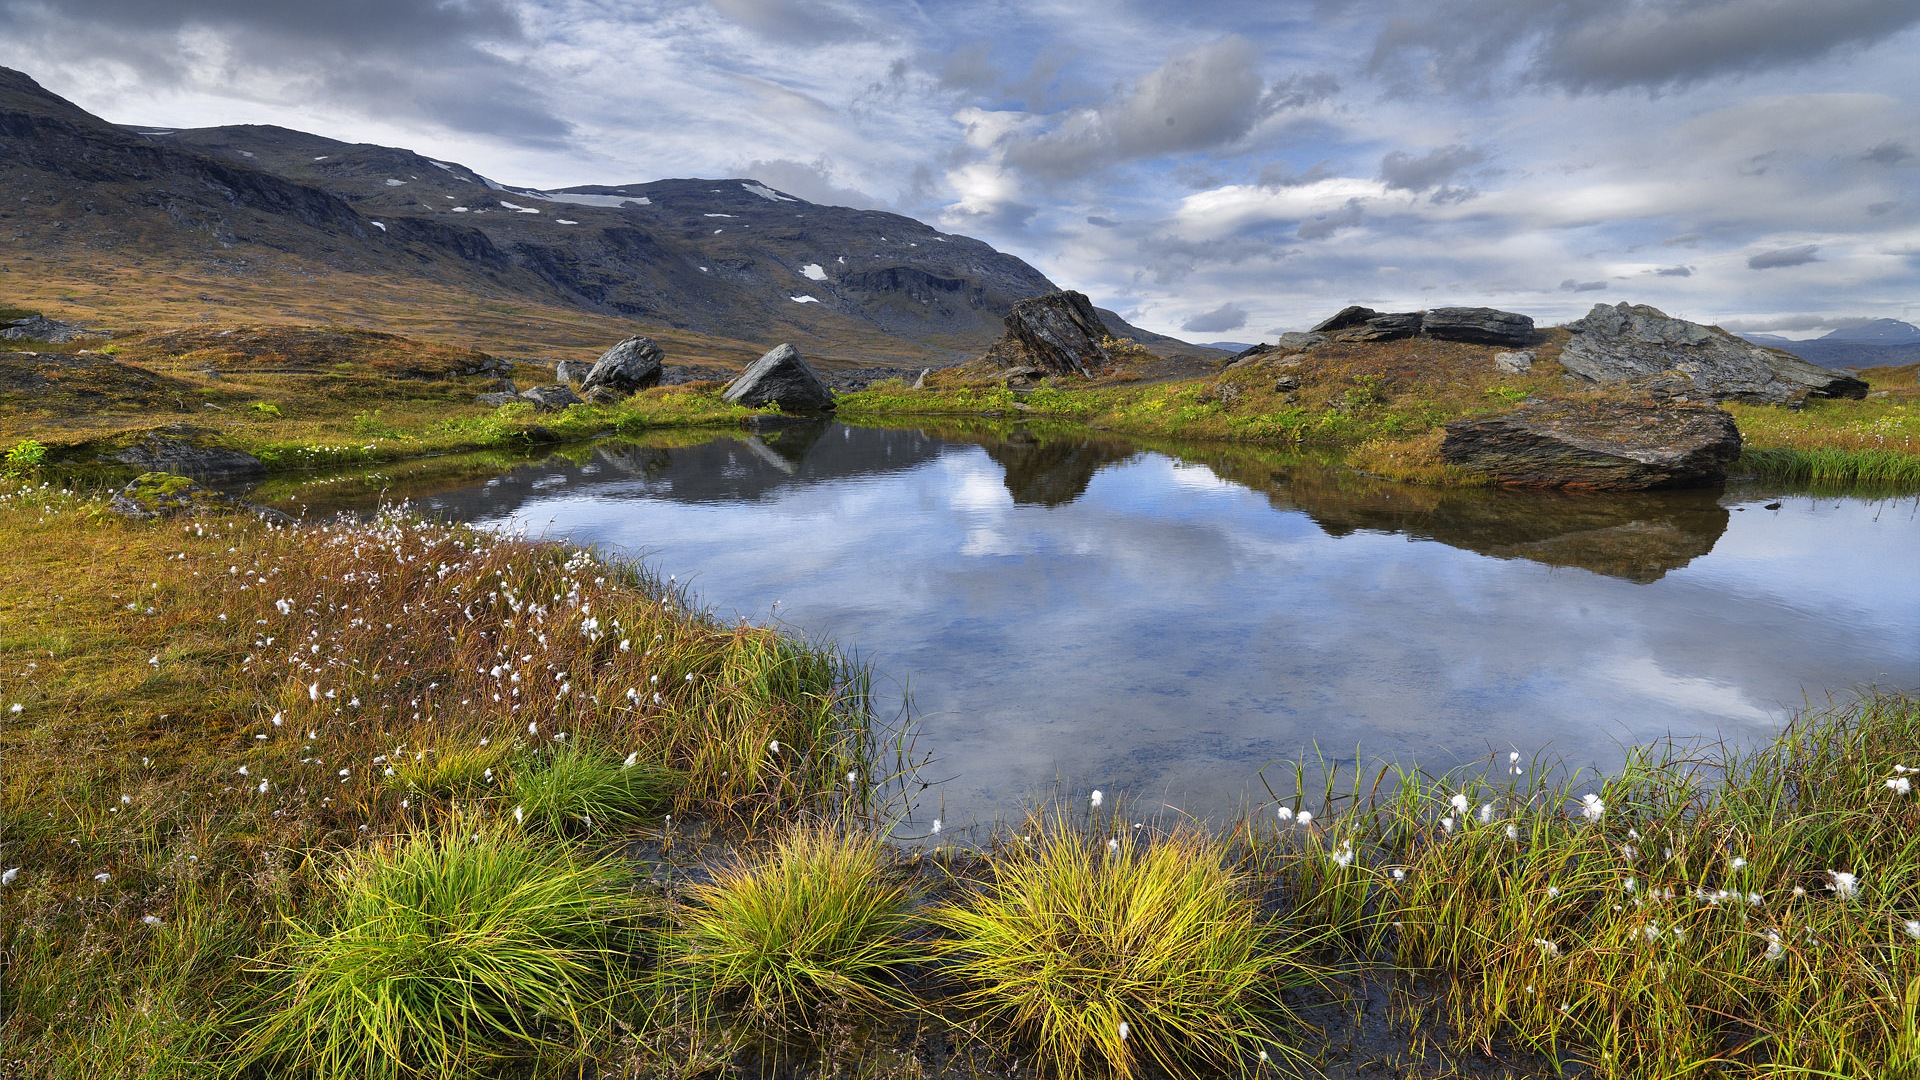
{"points": [[1211, 169]]}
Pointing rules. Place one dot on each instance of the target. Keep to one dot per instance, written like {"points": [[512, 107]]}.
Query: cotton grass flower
{"points": [[151, 920], [1775, 949], [1592, 807], [1460, 803], [1343, 858], [1096, 798], [1911, 926], [1285, 814], [12, 875], [1845, 886], [1900, 785]]}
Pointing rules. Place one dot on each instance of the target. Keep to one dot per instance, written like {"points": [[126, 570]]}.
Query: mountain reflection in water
{"points": [[1071, 608]]}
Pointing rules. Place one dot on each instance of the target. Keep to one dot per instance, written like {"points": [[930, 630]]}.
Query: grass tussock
{"points": [[818, 925], [1106, 954], [448, 953]]}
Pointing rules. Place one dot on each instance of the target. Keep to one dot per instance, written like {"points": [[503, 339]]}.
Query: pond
{"points": [[1070, 610]]}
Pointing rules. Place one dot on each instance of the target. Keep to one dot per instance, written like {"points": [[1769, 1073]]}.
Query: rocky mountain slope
{"points": [[731, 259]]}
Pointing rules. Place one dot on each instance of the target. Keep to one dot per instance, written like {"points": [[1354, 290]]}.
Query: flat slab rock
{"points": [[1597, 446], [164, 495], [1674, 359], [159, 452]]}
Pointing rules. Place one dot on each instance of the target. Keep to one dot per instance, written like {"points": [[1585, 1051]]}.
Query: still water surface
{"points": [[1073, 612]]}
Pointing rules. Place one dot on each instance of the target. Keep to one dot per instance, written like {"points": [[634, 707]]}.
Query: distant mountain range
{"points": [[262, 210], [1879, 343]]}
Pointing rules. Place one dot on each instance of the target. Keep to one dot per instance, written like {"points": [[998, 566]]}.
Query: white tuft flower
{"points": [[936, 827], [1285, 814], [1900, 785], [1553, 891], [1513, 832], [1446, 823], [103, 877], [1460, 803], [853, 778], [1303, 819], [150, 920], [631, 758], [1547, 947], [264, 787], [533, 727], [1096, 798], [1911, 926], [10, 876], [1486, 813], [1591, 807], [1344, 857], [774, 746], [1124, 1029], [1845, 885], [17, 708], [519, 814], [1775, 950], [1399, 873], [1113, 846], [313, 692], [1736, 862]]}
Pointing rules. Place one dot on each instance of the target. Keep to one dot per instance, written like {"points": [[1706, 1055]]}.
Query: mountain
{"points": [[1878, 343], [255, 221]]}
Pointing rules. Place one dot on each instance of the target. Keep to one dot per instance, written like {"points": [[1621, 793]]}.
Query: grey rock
{"points": [[921, 382], [1060, 333], [570, 372], [1513, 363], [603, 395], [1596, 446], [1251, 352], [782, 378], [1295, 341], [550, 398], [1287, 382], [498, 398], [164, 494], [41, 328], [1478, 325], [1356, 323], [170, 453], [1674, 358], [629, 367]]}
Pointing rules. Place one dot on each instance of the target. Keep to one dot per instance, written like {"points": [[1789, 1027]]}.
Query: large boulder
{"points": [[1356, 323], [169, 452], [1059, 333], [41, 328], [629, 367], [780, 378], [1596, 446], [1478, 325], [1677, 359]]}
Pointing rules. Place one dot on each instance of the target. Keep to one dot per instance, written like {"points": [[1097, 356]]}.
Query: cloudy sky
{"points": [[1221, 169]]}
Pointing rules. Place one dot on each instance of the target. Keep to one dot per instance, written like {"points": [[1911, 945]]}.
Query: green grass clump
{"points": [[817, 925], [1872, 469], [1107, 954], [450, 954], [574, 787]]}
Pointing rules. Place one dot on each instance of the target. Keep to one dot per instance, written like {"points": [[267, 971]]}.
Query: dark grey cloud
{"points": [[1325, 225], [1793, 256], [1570, 285], [1102, 222], [1604, 45], [1228, 316], [422, 59], [805, 22], [1200, 99], [1405, 172], [1276, 174], [1888, 153], [1674, 271]]}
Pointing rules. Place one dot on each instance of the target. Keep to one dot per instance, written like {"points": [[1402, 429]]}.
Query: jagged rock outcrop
{"points": [[1675, 359], [1356, 323], [627, 368], [782, 378], [171, 453], [1058, 332], [1478, 326], [1513, 363], [1596, 446]]}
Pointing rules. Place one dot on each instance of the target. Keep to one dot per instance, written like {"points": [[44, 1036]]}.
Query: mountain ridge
{"points": [[731, 263], [1875, 343]]}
